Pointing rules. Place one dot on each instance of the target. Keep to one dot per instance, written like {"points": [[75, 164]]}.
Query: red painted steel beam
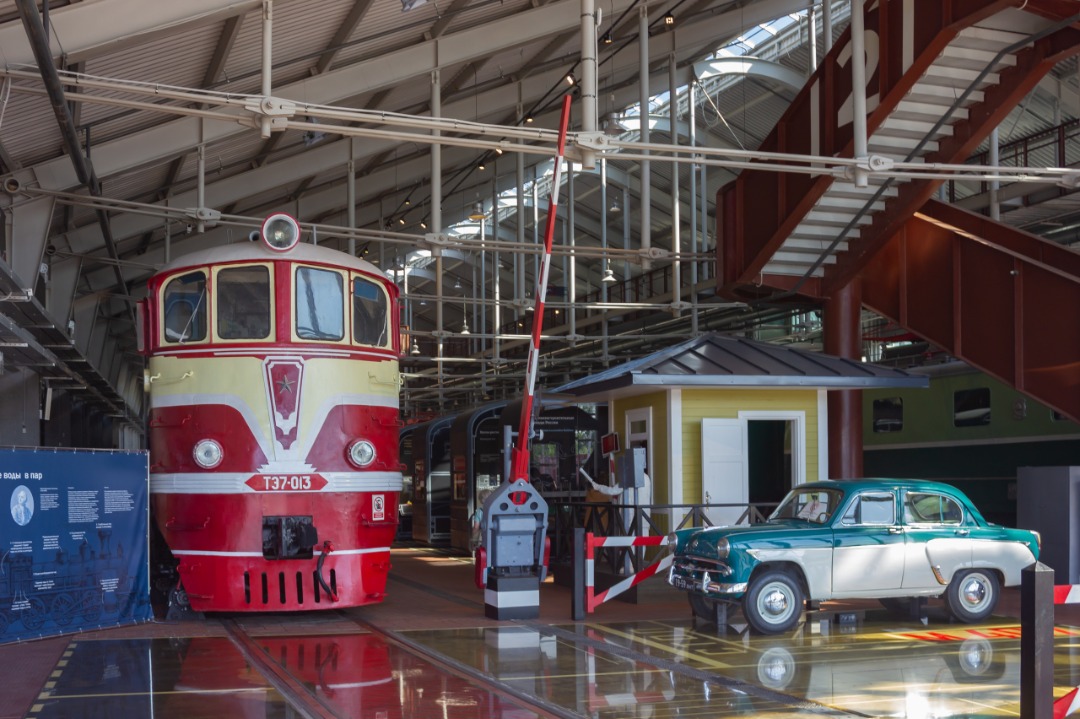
{"points": [[1016, 82], [997, 298], [761, 208]]}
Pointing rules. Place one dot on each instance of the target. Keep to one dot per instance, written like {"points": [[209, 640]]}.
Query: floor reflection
{"points": [[352, 675], [627, 670], [656, 669]]}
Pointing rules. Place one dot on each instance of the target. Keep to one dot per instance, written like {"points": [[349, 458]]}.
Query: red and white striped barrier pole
{"points": [[519, 468], [594, 599], [1069, 704]]}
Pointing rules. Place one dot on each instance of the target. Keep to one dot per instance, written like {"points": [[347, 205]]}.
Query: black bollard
{"points": [[1036, 642], [577, 596]]}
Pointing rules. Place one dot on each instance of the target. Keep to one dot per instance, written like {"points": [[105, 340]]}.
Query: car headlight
{"points": [[361, 453], [723, 547], [208, 453]]}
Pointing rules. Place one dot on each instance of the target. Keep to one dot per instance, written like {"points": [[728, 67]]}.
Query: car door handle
{"points": [[962, 532], [895, 530]]}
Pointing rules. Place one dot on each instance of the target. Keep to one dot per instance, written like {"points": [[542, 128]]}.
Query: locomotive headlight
{"points": [[208, 453], [280, 232], [361, 453]]}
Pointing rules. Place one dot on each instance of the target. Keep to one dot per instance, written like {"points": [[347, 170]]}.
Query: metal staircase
{"points": [[941, 77], [969, 63]]}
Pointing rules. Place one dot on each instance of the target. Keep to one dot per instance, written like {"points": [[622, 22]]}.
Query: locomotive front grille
{"points": [[275, 586]]}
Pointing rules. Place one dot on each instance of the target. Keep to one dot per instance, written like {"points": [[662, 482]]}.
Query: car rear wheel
{"points": [[973, 594], [774, 602]]}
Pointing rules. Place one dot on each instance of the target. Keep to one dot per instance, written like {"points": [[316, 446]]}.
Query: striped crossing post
{"points": [[515, 515]]}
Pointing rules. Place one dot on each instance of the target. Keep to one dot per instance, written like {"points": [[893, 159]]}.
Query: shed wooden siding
{"points": [[726, 404]]}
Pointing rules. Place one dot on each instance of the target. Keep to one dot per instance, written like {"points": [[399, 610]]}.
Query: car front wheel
{"points": [[973, 594], [774, 602]]}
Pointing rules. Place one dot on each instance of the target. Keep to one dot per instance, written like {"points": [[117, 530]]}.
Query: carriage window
{"points": [[888, 414], [184, 301], [931, 509], [370, 326], [971, 407], [243, 303], [319, 304]]}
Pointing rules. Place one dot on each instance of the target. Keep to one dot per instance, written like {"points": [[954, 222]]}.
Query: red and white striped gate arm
{"points": [[1067, 705], [1067, 594], [593, 600], [519, 468]]}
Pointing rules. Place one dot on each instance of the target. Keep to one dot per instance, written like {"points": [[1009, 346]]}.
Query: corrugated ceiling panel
{"points": [[29, 131], [302, 30]]}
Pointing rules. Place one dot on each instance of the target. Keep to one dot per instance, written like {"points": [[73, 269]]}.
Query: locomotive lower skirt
{"points": [[283, 551], [237, 584]]}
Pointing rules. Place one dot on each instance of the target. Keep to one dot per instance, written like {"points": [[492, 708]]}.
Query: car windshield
{"points": [[811, 505]]}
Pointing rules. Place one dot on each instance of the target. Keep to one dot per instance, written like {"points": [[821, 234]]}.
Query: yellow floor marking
{"points": [[56, 673], [49, 686], [62, 663], [36, 708], [663, 647]]}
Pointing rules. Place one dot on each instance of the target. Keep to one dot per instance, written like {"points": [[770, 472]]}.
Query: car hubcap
{"points": [[975, 592], [774, 603]]}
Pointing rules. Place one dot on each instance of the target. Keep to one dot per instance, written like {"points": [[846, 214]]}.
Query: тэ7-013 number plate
{"points": [[286, 482]]}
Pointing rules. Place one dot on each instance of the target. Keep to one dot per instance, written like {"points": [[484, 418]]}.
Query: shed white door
{"points": [[724, 476]]}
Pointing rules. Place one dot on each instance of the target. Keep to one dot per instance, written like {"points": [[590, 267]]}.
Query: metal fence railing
{"points": [[628, 520]]}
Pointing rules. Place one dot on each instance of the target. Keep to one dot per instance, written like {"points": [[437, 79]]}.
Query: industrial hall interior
{"points": [[540, 358]]}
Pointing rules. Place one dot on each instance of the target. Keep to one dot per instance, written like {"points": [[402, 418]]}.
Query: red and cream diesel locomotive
{"points": [[273, 422]]}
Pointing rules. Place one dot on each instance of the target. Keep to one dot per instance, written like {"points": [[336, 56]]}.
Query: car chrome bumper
{"points": [[685, 577]]}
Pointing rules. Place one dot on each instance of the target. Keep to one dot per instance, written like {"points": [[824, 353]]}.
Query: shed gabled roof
{"points": [[715, 360]]}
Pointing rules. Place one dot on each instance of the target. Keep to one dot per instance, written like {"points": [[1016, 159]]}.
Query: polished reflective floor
{"points": [[428, 652]]}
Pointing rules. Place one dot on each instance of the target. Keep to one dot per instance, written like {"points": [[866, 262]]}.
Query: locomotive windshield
{"points": [[369, 313], [320, 304], [185, 308], [243, 303]]}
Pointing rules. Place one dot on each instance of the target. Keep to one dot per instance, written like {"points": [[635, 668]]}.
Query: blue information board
{"points": [[73, 543]]}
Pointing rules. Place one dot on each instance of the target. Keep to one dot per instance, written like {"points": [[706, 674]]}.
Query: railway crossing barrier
{"points": [[1068, 705], [585, 597]]}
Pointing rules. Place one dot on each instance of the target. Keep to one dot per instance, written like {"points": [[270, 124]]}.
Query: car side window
{"points": [[876, 508], [925, 508]]}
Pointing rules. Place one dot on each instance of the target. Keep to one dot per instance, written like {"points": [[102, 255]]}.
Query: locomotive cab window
{"points": [[371, 324], [243, 303], [320, 305], [971, 407], [184, 304]]}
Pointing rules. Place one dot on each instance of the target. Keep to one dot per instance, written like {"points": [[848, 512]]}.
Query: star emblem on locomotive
{"points": [[285, 384]]}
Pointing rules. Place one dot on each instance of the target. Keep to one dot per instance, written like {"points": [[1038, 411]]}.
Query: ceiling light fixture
{"points": [[464, 326], [609, 276], [478, 212], [669, 19], [528, 119], [570, 79], [607, 39], [481, 166], [415, 349], [615, 204]]}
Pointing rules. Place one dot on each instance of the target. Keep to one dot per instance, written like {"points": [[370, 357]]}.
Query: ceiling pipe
{"points": [[35, 32]]}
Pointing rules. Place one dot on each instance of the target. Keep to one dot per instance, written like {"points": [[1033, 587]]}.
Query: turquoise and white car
{"points": [[886, 539]]}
